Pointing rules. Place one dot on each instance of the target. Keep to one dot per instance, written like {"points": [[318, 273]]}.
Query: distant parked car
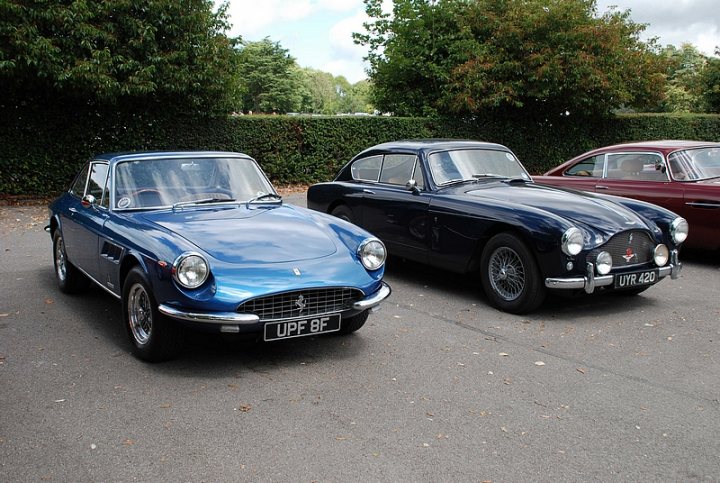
{"points": [[469, 206], [682, 176], [202, 240]]}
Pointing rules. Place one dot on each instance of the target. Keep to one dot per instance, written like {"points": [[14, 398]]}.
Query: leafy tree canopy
{"points": [[108, 51], [542, 58], [270, 79]]}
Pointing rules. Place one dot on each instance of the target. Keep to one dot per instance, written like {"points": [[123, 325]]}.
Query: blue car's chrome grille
{"points": [[629, 248], [301, 303]]}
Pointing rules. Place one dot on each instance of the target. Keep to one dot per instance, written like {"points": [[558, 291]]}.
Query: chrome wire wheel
{"points": [[60, 262], [506, 273], [139, 310]]}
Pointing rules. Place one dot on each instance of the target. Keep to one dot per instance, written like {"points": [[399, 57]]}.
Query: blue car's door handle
{"points": [[370, 192], [72, 210]]}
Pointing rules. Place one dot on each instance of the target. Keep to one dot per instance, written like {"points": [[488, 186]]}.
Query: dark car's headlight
{"points": [[372, 253], [572, 241], [190, 270], [679, 230]]}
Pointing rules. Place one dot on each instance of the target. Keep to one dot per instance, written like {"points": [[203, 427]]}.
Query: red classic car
{"points": [[682, 176]]}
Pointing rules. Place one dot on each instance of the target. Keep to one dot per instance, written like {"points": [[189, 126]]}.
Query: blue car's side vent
{"points": [[302, 303]]}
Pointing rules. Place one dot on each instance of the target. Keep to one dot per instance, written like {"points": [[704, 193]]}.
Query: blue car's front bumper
{"points": [[233, 321]]}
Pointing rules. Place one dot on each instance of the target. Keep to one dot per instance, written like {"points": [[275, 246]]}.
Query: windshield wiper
{"points": [[488, 175], [202, 201], [517, 179], [274, 196]]}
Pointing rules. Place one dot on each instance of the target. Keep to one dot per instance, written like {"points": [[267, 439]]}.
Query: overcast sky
{"points": [[318, 32]]}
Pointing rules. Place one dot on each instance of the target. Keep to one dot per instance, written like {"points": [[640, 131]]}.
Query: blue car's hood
{"points": [[260, 234], [580, 208]]}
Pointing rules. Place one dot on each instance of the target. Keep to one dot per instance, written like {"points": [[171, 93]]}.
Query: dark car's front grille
{"points": [[302, 303], [629, 248]]}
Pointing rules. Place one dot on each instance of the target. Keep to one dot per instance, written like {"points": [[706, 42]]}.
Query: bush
{"points": [[43, 150]]}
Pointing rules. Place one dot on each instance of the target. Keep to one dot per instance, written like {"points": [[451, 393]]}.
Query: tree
{"points": [[540, 58], [710, 82], [684, 89], [112, 51], [270, 79]]}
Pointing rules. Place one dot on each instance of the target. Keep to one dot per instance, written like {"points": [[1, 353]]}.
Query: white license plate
{"points": [[288, 329], [636, 279]]}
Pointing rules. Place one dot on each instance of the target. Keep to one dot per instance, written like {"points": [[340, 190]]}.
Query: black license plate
{"points": [[288, 329], [636, 279]]}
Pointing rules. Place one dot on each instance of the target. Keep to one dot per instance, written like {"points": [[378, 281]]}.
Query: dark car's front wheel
{"points": [[510, 276], [154, 337], [69, 278]]}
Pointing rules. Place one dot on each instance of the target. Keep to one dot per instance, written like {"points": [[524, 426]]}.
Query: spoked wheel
{"points": [[510, 276], [69, 278], [343, 212], [154, 337]]}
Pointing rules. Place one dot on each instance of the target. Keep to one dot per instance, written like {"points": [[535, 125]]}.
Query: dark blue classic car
{"points": [[202, 240], [469, 206]]}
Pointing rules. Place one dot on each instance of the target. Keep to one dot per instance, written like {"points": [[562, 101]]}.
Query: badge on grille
{"points": [[629, 255], [301, 303]]}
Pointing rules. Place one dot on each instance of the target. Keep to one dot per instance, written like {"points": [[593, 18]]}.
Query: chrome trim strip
{"points": [[210, 317], [703, 204], [374, 299]]}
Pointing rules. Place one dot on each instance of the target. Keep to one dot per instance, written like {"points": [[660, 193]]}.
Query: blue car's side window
{"points": [[78, 187]]}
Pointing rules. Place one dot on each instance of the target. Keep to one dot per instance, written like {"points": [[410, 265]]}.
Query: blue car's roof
{"points": [[140, 155]]}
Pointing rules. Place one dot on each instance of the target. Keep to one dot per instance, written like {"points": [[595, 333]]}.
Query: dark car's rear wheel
{"points": [[154, 337], [69, 278], [351, 324], [343, 212], [510, 276]]}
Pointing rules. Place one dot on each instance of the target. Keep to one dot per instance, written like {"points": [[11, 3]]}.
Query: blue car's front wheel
{"points": [[154, 337]]}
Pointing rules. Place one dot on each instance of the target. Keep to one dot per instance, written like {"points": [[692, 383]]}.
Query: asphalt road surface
{"points": [[437, 387]]}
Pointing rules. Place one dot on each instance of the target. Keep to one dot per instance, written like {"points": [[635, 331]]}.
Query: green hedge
{"points": [[41, 151]]}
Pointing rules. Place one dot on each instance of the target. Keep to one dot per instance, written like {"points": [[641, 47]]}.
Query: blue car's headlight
{"points": [[679, 230], [372, 253], [190, 270]]}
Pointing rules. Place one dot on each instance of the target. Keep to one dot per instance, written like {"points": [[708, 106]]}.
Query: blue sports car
{"points": [[469, 206], [202, 240]]}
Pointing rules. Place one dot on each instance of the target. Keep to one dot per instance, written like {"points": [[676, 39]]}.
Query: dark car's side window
{"points": [[78, 186], [398, 168], [367, 169], [592, 167]]}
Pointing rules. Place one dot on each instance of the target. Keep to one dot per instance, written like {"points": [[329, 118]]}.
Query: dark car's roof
{"points": [[417, 145], [140, 155]]}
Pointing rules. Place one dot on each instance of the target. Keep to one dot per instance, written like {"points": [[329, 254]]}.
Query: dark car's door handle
{"points": [[72, 210], [600, 187], [370, 192]]}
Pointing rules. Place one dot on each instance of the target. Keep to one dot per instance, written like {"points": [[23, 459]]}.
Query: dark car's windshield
{"points": [[472, 164], [695, 164], [155, 183]]}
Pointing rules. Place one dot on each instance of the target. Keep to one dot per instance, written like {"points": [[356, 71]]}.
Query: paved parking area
{"points": [[437, 386]]}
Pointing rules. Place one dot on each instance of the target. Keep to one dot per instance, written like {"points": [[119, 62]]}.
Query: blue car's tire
{"points": [[69, 278], [153, 336], [510, 275], [351, 324]]}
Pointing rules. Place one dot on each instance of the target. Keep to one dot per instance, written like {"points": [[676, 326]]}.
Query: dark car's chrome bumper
{"points": [[590, 280], [231, 321]]}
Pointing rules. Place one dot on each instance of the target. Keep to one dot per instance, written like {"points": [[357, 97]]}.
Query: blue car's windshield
{"points": [[472, 164], [155, 183]]}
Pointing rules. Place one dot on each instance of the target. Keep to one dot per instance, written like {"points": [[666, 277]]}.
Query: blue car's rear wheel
{"points": [[69, 278], [154, 337], [510, 276]]}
